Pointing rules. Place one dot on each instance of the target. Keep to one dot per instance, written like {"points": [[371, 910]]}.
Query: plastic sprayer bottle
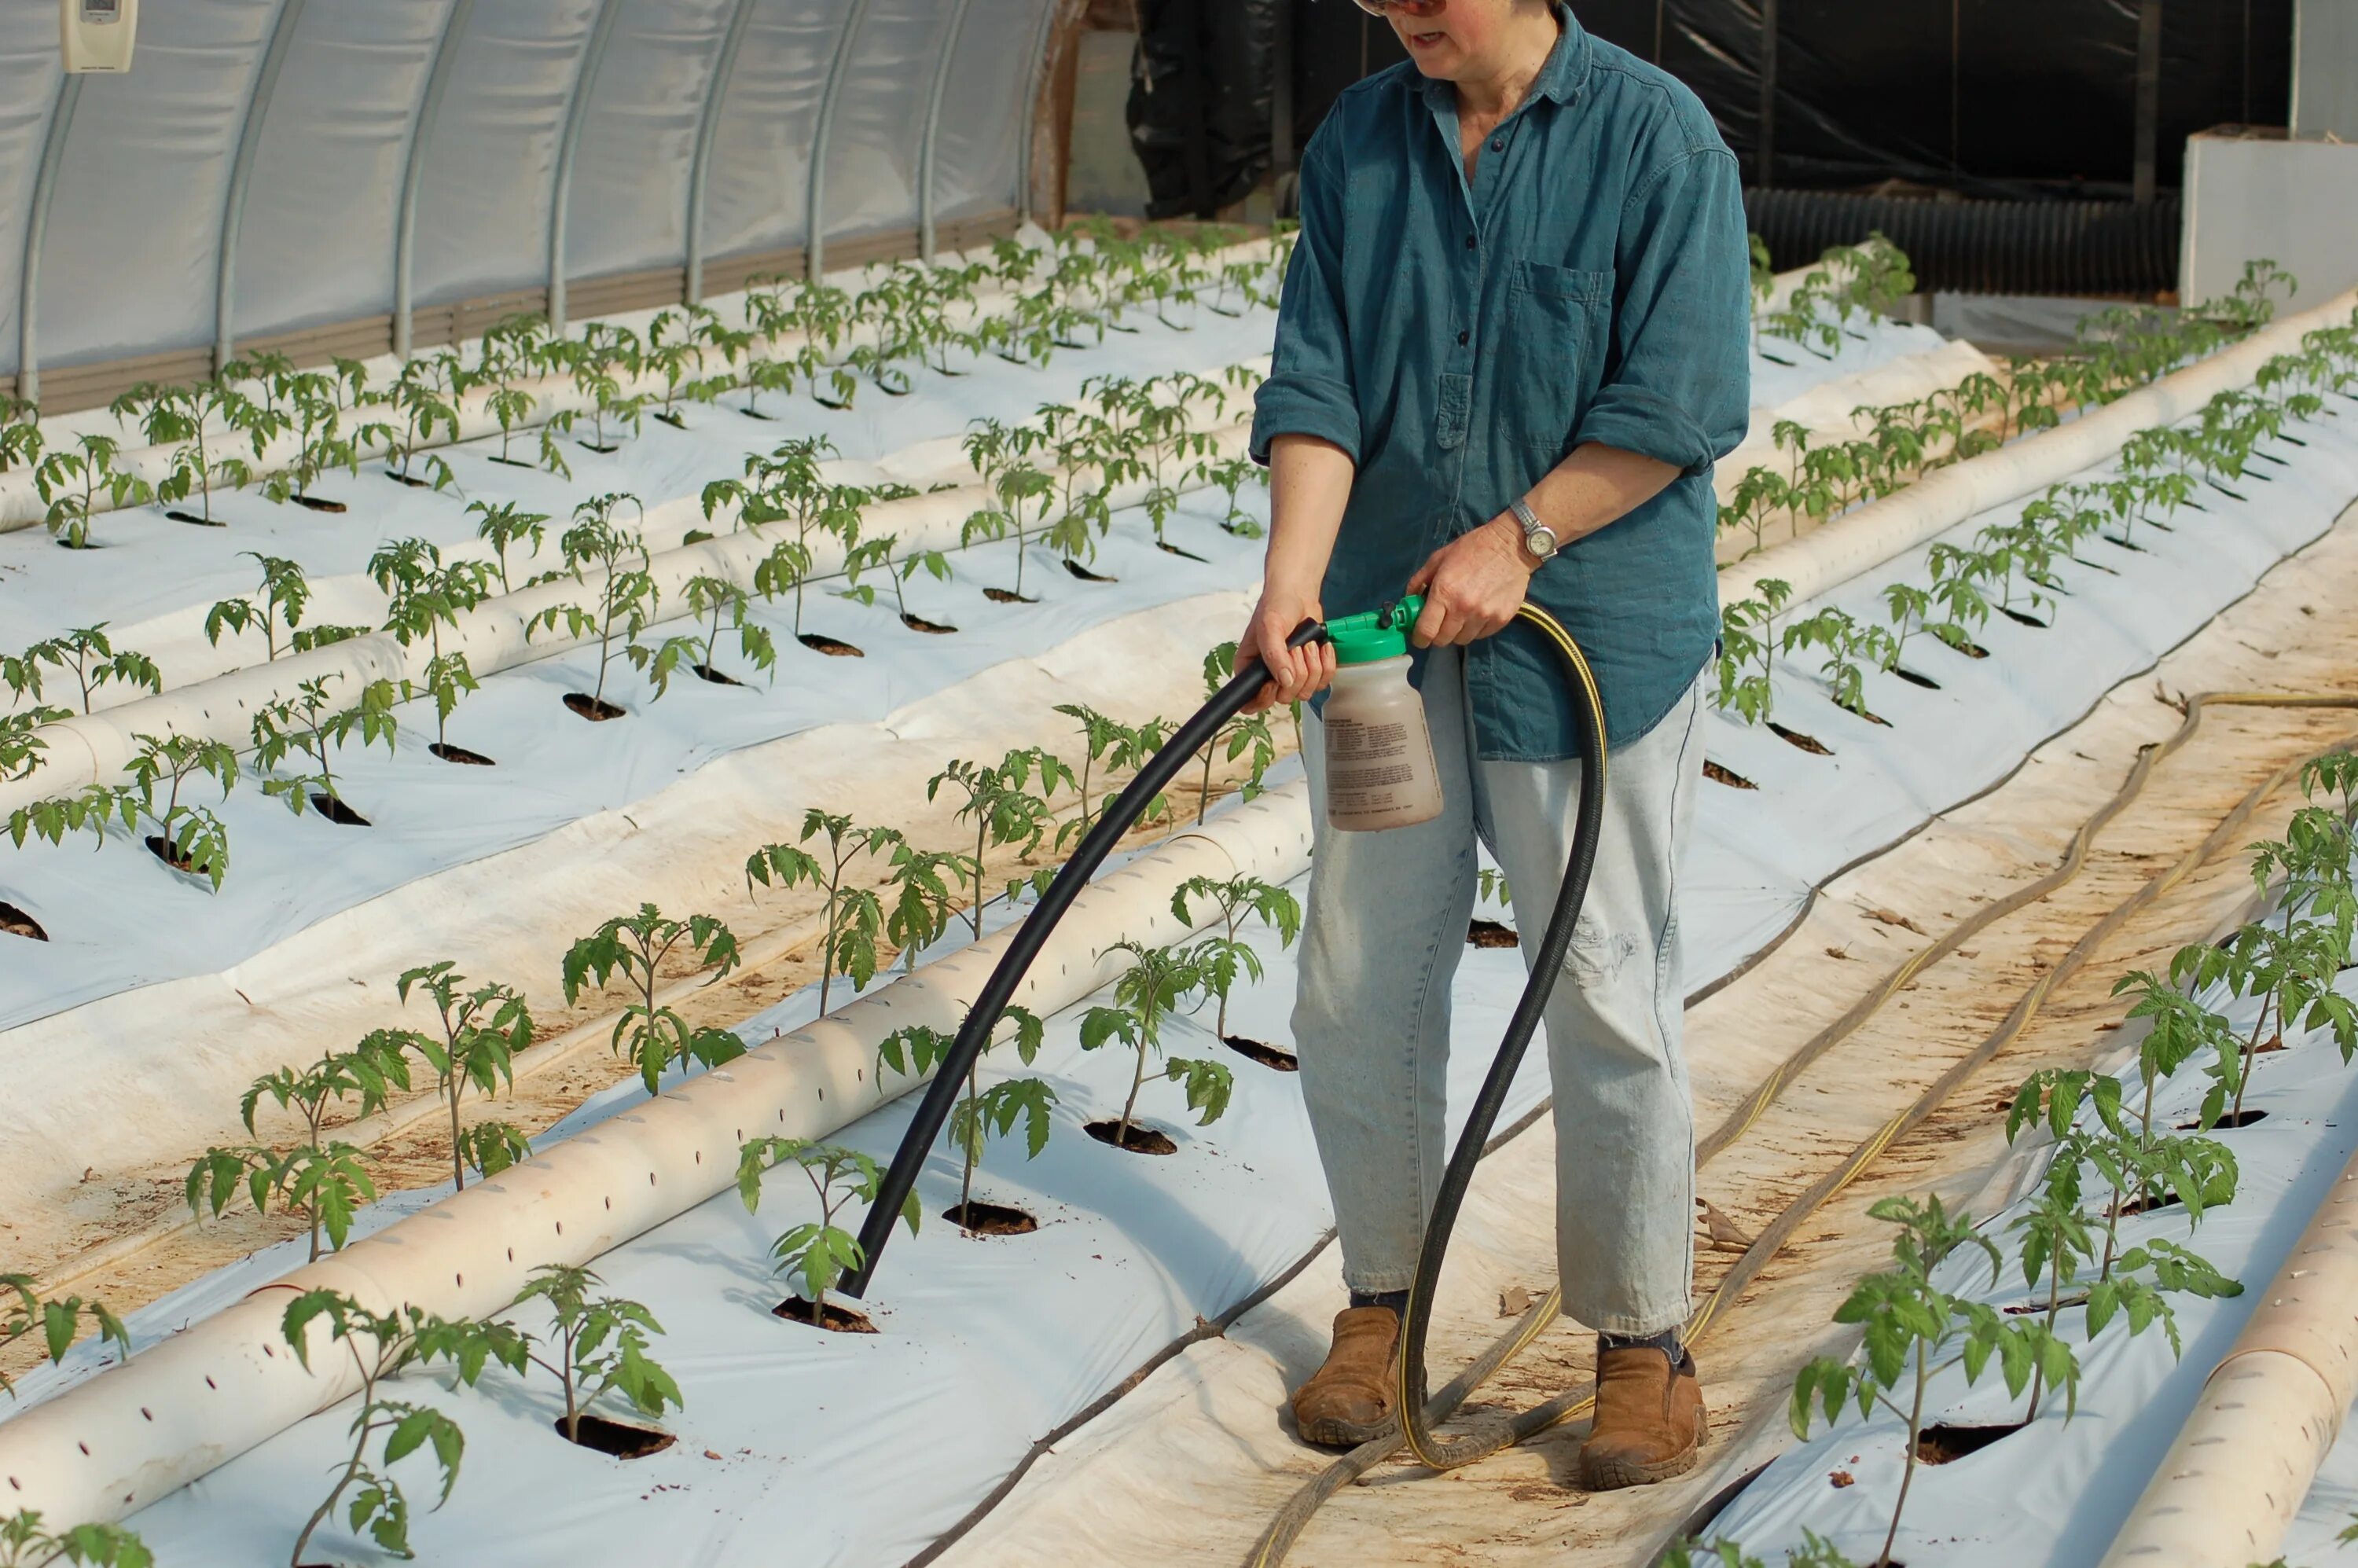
{"points": [[1380, 768]]}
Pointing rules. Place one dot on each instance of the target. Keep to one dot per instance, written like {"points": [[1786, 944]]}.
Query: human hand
{"points": [[1296, 673], [1473, 585]]}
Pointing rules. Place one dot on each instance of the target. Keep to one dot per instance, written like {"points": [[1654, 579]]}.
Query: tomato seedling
{"points": [[851, 915], [1222, 957], [1159, 982], [633, 947], [980, 1114], [59, 1322], [309, 725], [626, 591], [24, 1543], [820, 1253], [1915, 1330], [382, 1346], [601, 1346], [71, 481]]}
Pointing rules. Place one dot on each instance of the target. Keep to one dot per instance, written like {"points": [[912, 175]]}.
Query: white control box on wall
{"points": [[99, 33]]}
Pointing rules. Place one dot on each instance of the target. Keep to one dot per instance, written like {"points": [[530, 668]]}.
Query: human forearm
{"points": [[1595, 486], [1309, 485], [1473, 584]]}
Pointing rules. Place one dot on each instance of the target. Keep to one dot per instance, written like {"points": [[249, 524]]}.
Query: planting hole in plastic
{"points": [[1140, 1140], [459, 754], [14, 922], [1720, 775], [832, 647], [2227, 1122], [617, 1439], [976, 1218], [1490, 934], [1263, 1051], [840, 1319], [336, 811], [1941, 1445], [592, 709], [1808, 743]]}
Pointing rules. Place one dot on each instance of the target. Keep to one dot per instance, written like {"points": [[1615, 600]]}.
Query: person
{"points": [[1513, 341]]}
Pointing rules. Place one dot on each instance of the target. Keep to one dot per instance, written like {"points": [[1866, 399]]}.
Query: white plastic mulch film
{"points": [[794, 1447], [131, 264]]}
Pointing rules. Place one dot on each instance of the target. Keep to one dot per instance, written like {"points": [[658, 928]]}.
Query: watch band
{"points": [[1538, 537]]}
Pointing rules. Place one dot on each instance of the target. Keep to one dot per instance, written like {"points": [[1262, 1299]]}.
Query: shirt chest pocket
{"points": [[1553, 355]]}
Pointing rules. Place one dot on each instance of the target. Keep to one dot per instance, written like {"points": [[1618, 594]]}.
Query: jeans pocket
{"points": [[1556, 352]]}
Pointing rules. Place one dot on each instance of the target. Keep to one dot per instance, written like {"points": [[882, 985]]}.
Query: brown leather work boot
{"points": [[1348, 1400], [1649, 1418]]}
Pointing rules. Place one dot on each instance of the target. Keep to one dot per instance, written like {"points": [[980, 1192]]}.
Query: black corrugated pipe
{"points": [[1984, 247]]}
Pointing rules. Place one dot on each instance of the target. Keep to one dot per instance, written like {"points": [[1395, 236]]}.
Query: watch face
{"points": [[1541, 542]]}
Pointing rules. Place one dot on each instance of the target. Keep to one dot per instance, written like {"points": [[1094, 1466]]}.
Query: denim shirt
{"points": [[1591, 285]]}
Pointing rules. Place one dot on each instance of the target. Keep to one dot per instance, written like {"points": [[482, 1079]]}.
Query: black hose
{"points": [[982, 1018], [1981, 246], [1589, 713]]}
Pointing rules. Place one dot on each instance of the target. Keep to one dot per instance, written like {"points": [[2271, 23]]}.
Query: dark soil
{"points": [[2030, 1309], [594, 447], [177, 515], [590, 708], [319, 504], [410, 479], [930, 628], [2154, 1204], [1869, 715], [2248, 1116], [979, 1219], [63, 543], [1927, 682], [1940, 1444], [1970, 648], [2019, 617], [718, 677], [834, 648], [14, 922], [1490, 934], [755, 414], [1169, 549], [1718, 775], [1140, 1141], [515, 462], [1261, 1051], [677, 421], [161, 847], [2276, 1042], [1084, 573], [1006, 595], [1808, 743], [336, 811], [450, 753], [840, 1319], [617, 1439], [2121, 544]]}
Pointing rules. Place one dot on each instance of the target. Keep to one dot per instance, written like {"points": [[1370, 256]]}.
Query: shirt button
{"points": [[1463, 337], [1498, 144], [1470, 242]]}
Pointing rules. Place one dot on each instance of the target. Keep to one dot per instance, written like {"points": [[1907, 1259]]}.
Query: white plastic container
{"points": [[1380, 771]]}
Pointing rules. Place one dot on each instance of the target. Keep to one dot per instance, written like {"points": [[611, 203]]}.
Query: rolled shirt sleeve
{"points": [[1679, 390], [1310, 390]]}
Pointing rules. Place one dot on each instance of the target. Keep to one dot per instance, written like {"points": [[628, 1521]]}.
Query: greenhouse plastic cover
{"points": [[132, 256], [856, 1449]]}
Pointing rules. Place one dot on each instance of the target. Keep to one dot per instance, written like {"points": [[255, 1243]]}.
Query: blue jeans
{"points": [[1381, 938]]}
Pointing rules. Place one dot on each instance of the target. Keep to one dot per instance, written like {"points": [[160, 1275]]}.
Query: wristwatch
{"points": [[1538, 537]]}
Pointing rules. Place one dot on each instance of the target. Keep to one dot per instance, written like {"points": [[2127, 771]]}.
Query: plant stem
{"points": [[1907, 1476], [1138, 1080], [352, 1468]]}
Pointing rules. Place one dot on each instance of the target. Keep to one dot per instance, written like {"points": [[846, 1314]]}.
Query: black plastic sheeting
{"points": [[1984, 247], [1985, 97], [1200, 100]]}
